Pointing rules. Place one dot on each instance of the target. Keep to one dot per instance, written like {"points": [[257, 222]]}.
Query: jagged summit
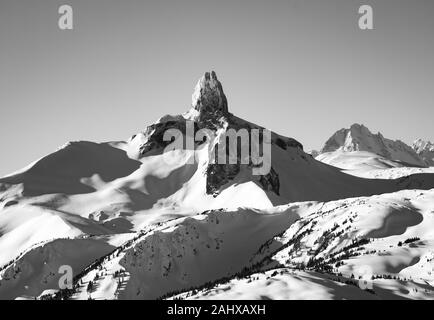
{"points": [[425, 150], [208, 95], [349, 139], [360, 138], [421, 145]]}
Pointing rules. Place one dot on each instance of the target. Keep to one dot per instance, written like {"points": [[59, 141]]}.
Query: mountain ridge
{"points": [[134, 210], [425, 150], [360, 138]]}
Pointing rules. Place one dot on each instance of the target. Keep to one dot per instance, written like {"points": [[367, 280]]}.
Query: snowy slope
{"points": [[189, 253], [389, 173], [386, 240], [357, 160], [175, 219], [292, 284], [359, 138], [38, 268], [370, 165]]}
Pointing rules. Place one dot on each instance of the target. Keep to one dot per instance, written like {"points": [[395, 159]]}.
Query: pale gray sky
{"points": [[301, 68]]}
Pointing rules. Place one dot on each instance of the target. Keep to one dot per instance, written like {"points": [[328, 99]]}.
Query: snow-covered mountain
{"points": [[358, 146], [425, 150], [378, 247], [138, 219]]}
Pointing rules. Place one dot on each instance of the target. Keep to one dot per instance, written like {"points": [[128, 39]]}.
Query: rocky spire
{"points": [[208, 95]]}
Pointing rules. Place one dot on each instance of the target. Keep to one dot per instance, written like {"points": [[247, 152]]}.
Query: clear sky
{"points": [[301, 68]]}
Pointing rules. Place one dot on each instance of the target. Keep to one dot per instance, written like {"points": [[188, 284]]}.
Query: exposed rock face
{"points": [[218, 175], [208, 95], [359, 138], [286, 143], [270, 182], [155, 132], [425, 150], [210, 110], [208, 100]]}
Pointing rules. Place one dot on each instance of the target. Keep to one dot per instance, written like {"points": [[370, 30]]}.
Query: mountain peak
{"points": [[357, 128], [208, 95], [360, 138], [423, 145], [425, 150]]}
